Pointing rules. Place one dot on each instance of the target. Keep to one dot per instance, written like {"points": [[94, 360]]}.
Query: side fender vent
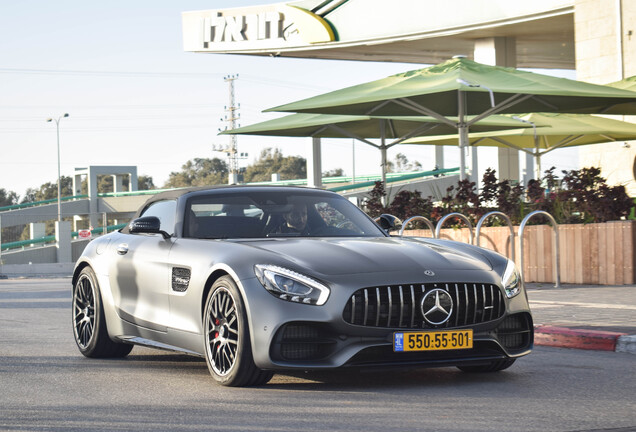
{"points": [[180, 279]]}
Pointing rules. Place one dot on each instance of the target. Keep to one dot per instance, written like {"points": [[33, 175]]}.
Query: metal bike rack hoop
{"points": [[426, 221], [555, 227], [459, 216], [508, 221]]}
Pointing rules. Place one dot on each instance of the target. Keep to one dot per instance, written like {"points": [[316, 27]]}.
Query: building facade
{"points": [[594, 37]]}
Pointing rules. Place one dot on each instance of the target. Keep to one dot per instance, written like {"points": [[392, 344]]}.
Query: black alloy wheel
{"points": [[84, 311], [89, 323], [228, 350], [223, 331]]}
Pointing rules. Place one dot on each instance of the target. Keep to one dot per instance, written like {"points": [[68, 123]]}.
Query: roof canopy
{"points": [[434, 90]]}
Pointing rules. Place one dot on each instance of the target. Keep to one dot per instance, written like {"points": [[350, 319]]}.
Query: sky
{"points": [[134, 97]]}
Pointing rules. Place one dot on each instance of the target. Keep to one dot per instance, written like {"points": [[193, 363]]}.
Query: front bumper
{"points": [[287, 335], [317, 345]]}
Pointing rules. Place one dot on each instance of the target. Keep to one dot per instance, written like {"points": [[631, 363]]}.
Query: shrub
{"points": [[581, 196]]}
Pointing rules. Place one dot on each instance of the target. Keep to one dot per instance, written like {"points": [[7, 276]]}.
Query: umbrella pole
{"points": [[383, 153], [463, 134], [537, 158]]}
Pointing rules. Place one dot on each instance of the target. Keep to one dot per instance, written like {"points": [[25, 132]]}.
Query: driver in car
{"points": [[295, 220]]}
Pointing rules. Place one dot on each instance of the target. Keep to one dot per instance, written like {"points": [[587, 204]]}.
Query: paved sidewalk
{"points": [[584, 316]]}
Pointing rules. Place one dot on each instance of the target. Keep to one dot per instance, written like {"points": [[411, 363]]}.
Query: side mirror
{"points": [[388, 222], [148, 225]]}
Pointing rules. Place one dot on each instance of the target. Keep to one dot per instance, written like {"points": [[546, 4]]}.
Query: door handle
{"points": [[122, 249]]}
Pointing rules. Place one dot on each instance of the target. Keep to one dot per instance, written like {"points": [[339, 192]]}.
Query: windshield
{"points": [[269, 214]]}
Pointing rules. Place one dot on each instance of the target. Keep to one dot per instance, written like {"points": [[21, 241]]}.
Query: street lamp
{"points": [[59, 177]]}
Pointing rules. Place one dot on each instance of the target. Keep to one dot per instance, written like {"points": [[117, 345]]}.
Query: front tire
{"points": [[89, 322], [228, 351], [495, 366]]}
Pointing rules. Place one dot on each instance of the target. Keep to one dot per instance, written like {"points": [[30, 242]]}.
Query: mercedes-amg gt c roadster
{"points": [[260, 279]]}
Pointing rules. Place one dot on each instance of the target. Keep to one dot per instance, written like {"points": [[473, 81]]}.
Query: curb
{"points": [[564, 337], [626, 344]]}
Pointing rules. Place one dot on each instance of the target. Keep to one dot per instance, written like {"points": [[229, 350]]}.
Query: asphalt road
{"points": [[45, 384]]}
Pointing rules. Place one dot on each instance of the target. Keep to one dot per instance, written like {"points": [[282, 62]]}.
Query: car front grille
{"points": [[399, 306]]}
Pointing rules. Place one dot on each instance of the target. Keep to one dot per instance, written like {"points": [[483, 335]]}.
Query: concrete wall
{"points": [[435, 187], [36, 255], [37, 270], [41, 254], [43, 213]]}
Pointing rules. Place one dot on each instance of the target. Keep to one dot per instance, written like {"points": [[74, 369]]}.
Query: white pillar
{"points": [[439, 157], [528, 168], [63, 241], [37, 230], [474, 168], [76, 219], [92, 196], [314, 164], [500, 51], [118, 183], [508, 165], [77, 184], [133, 184]]}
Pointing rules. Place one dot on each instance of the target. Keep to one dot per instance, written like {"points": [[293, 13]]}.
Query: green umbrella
{"points": [[553, 131], [626, 84], [461, 87], [364, 128]]}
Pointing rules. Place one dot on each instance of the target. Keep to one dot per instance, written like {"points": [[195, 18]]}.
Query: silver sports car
{"points": [[259, 279]]}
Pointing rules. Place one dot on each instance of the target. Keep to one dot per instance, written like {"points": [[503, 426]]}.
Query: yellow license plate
{"points": [[432, 340]]}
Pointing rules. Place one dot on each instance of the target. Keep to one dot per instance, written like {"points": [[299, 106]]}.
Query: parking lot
{"points": [[48, 385]]}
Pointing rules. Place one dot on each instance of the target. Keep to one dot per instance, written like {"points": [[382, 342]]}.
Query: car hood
{"points": [[337, 256]]}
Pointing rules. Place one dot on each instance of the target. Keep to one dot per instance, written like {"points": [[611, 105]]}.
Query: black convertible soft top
{"points": [[177, 193]]}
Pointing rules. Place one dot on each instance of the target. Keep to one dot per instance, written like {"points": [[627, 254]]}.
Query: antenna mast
{"points": [[231, 117]]}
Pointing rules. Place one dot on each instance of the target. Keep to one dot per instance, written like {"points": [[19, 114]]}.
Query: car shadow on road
{"points": [[351, 379], [344, 379], [363, 379]]}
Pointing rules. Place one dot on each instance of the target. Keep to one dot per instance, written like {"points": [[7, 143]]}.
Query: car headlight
{"points": [[511, 280], [291, 286]]}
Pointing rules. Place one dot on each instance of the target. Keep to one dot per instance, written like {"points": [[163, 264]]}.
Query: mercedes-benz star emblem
{"points": [[437, 306]]}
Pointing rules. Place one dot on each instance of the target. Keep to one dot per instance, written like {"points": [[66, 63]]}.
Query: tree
{"points": [[373, 204], [271, 161], [145, 182], [336, 172], [402, 164], [199, 172], [7, 198], [48, 191], [105, 183]]}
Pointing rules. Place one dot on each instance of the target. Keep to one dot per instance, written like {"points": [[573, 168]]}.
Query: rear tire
{"points": [[89, 322], [228, 351], [495, 366]]}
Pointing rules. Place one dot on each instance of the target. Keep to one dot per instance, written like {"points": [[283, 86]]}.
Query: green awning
{"points": [[552, 131], [436, 88], [626, 84], [344, 126]]}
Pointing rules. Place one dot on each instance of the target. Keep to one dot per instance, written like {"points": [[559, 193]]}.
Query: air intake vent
{"points": [[516, 332], [180, 279], [399, 306], [302, 342]]}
